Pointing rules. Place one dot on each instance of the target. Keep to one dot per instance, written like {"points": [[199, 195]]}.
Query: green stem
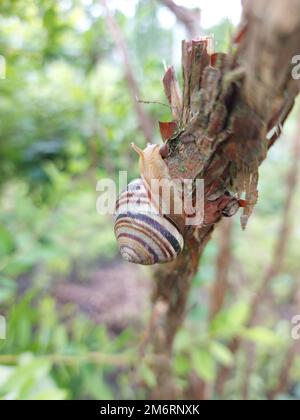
{"points": [[118, 360]]}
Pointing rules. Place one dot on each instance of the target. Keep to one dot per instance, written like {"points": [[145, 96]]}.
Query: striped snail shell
{"points": [[144, 235]]}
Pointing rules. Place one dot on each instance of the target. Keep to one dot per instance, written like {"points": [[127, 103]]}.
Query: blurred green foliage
{"points": [[66, 120]]}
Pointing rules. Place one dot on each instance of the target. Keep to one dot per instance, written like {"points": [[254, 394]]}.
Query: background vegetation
{"points": [[75, 313]]}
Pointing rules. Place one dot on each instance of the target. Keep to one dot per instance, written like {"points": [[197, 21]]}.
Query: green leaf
{"points": [[182, 340], [17, 266], [52, 394], [182, 364], [7, 244], [147, 375], [30, 380], [204, 364], [7, 289], [49, 17], [230, 322], [262, 336], [221, 353]]}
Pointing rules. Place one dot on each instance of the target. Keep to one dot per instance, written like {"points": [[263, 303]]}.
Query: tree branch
{"points": [[223, 139], [220, 286], [190, 18], [145, 123]]}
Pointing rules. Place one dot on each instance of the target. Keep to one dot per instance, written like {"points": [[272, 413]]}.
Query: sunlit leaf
{"points": [[203, 363], [262, 336], [221, 353], [230, 321]]}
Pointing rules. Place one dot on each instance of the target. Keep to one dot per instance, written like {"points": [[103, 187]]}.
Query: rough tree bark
{"points": [[228, 106]]}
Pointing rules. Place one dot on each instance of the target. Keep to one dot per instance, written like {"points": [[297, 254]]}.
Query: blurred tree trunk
{"points": [[228, 106], [273, 269], [220, 286]]}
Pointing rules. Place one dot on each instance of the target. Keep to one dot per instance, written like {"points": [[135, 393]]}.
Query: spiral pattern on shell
{"points": [[144, 235]]}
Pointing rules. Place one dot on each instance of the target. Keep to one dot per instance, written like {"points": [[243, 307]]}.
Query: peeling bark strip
{"points": [[229, 104]]}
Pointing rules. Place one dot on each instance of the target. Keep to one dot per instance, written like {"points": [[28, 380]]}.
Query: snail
{"points": [[146, 234], [148, 227]]}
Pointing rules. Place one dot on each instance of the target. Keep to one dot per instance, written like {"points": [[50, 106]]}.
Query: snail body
{"points": [[151, 163], [154, 173]]}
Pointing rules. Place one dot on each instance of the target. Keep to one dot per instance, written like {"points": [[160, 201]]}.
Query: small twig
{"points": [[190, 18], [141, 101]]}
